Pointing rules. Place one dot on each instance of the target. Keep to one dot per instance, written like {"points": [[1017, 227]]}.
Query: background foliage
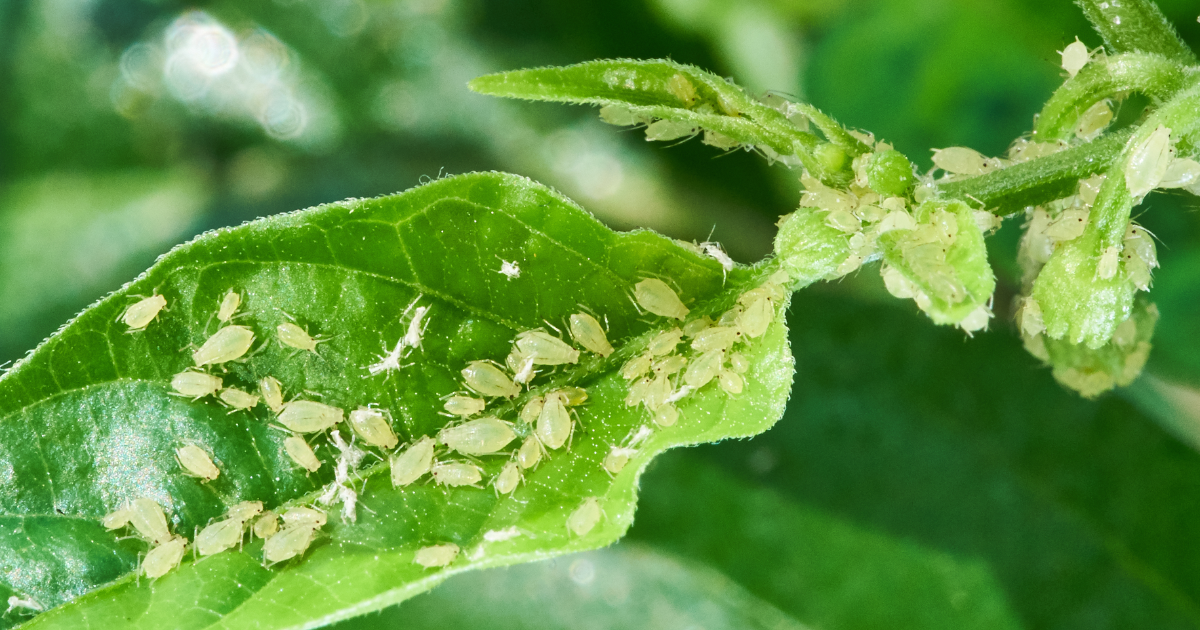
{"points": [[916, 481]]}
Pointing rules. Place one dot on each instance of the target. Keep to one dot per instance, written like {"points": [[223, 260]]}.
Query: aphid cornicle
{"points": [[296, 337], [530, 453], [219, 536], [307, 416], [195, 384], [229, 306], [227, 344], [301, 453], [148, 519], [546, 349], [655, 296], [554, 423], [587, 332], [489, 380], [585, 517], [508, 478], [478, 437], [289, 542], [435, 556], [455, 474], [372, 426], [139, 314], [414, 462], [238, 399], [197, 462], [272, 393], [164, 557], [464, 406]]}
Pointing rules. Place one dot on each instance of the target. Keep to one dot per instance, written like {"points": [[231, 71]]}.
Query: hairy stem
{"points": [[1136, 25]]}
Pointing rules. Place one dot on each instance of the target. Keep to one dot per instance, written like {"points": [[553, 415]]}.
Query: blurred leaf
{"points": [[627, 586], [1136, 25], [88, 420]]}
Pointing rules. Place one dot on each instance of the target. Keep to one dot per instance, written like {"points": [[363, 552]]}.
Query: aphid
{"points": [[478, 437], [655, 296], [139, 314], [1183, 173], [304, 516], [267, 525], [294, 336], [546, 349], [272, 393], [1141, 243], [196, 462], [586, 331], [617, 458], [703, 368], [843, 221], [195, 384], [28, 603], [456, 474], [665, 342], [961, 161], [664, 130], [531, 410], [636, 366], [716, 338], [1069, 225], [897, 220], [436, 555], [757, 317], [714, 251], [410, 340], [116, 519], [585, 517], [1149, 162], [290, 542], [572, 396], [307, 416], [1074, 57], [371, 425], [489, 380], [681, 88], [1029, 318], [1094, 120], [666, 415], [738, 363], [693, 328], [415, 461], [657, 392], [245, 510], [728, 317], [148, 519], [238, 399], [1109, 259], [554, 423], [508, 478], [1089, 188], [669, 365], [301, 453], [731, 382], [510, 269], [229, 343], [219, 536], [637, 392], [620, 116], [464, 406], [976, 319], [229, 306], [530, 452], [164, 557]]}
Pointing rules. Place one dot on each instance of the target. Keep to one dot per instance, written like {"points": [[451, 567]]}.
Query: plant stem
{"points": [[1136, 25]]}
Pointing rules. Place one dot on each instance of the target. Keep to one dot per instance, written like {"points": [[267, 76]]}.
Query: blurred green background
{"points": [[919, 480]]}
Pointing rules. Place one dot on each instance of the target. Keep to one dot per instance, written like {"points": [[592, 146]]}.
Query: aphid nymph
{"points": [[227, 344], [372, 426], [585, 517], [656, 297], [436, 556], [139, 314], [229, 306], [414, 462], [478, 437], [587, 332], [196, 462], [307, 416]]}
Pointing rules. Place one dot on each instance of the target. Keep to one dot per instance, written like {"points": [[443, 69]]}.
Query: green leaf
{"points": [[88, 420], [1136, 25]]}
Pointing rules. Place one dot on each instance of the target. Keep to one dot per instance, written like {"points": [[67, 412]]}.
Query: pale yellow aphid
{"points": [[730, 316], [617, 458], [530, 452], [665, 342], [197, 462], [962, 161], [372, 426], [681, 88], [897, 283], [245, 510], [657, 392], [508, 478], [164, 557], [587, 332], [843, 221], [1183, 173], [139, 314], [116, 519], [637, 392], [757, 317], [620, 116], [307, 416], [304, 516], [738, 363], [730, 381], [585, 517], [229, 306], [664, 130], [1106, 268], [572, 396], [703, 368], [228, 344], [693, 328], [267, 525], [489, 380], [296, 337], [301, 453], [897, 220], [478, 437], [546, 349], [464, 406], [716, 338], [1094, 120], [220, 536], [1074, 57], [414, 462], [636, 366], [532, 409], [456, 474], [1149, 162], [435, 556], [148, 519], [655, 296], [195, 384], [976, 320], [1069, 225], [238, 399], [288, 543], [666, 415], [1029, 318], [670, 365], [272, 393], [554, 423]]}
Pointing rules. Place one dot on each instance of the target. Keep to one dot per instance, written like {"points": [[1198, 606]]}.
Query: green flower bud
{"points": [[889, 173], [808, 248], [1093, 371], [832, 158]]}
